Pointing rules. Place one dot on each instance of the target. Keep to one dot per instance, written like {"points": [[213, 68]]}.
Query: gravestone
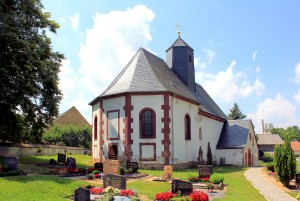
{"points": [[115, 181], [205, 170], [82, 194], [61, 158], [12, 162], [98, 166], [121, 198], [133, 165], [297, 181], [168, 171], [185, 187], [71, 162], [110, 166]]}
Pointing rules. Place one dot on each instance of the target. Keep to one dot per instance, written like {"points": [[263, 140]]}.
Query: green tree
{"points": [[285, 163], [236, 113], [73, 136], [291, 133], [29, 70]]}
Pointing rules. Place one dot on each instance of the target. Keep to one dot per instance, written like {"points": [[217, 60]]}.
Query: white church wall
{"points": [[95, 143], [113, 124], [231, 156], [187, 150], [147, 145]]}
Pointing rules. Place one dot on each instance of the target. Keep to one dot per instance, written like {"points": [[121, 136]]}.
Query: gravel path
{"points": [[266, 188]]}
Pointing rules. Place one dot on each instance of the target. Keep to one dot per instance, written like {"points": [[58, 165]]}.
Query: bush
{"points": [[69, 135], [216, 178], [193, 178], [271, 168], [267, 158], [121, 171]]}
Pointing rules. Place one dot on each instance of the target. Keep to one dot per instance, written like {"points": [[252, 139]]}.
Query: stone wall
{"points": [[8, 149]]}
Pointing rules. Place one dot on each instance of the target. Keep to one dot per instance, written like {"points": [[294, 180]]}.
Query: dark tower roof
{"points": [[179, 43]]}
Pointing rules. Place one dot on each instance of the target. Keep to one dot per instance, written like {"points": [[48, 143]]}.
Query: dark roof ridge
{"points": [[177, 41]]}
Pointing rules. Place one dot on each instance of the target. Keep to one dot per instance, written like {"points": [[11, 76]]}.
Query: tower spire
{"points": [[178, 26]]}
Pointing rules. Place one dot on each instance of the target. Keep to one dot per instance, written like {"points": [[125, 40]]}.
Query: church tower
{"points": [[180, 58]]}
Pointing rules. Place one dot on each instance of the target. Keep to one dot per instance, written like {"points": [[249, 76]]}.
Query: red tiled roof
{"points": [[295, 145]]}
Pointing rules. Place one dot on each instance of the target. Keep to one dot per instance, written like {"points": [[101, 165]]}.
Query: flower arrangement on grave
{"points": [[109, 193], [90, 176], [194, 196]]}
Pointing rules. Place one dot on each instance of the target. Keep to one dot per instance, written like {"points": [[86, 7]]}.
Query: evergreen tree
{"points": [[236, 113], [285, 163], [209, 155], [29, 70]]}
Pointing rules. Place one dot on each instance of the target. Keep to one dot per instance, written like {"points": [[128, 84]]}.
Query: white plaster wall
{"points": [[232, 156], [187, 150], [95, 143], [147, 101], [252, 144], [108, 105]]}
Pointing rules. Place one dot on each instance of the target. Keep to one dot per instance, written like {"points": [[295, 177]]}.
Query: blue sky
{"points": [[245, 52]]}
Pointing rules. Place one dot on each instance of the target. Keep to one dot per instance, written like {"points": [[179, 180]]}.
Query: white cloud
{"points": [[278, 111], [297, 72], [257, 70], [254, 55], [297, 96], [110, 43], [228, 86], [209, 54], [74, 21]]}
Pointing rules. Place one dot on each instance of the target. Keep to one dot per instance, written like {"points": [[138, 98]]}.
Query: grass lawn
{"points": [[48, 187]]}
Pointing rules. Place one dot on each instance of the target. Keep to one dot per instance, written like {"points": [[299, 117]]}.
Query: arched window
{"points": [[187, 127], [200, 133], [147, 123], [95, 128]]}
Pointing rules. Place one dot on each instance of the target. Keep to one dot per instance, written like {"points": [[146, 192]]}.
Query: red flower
{"points": [[165, 196], [126, 193], [96, 191], [199, 196]]}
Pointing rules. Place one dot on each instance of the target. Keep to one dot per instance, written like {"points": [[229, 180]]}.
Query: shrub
{"points": [[271, 168], [267, 158], [121, 171], [193, 178], [298, 196], [96, 172], [216, 178]]}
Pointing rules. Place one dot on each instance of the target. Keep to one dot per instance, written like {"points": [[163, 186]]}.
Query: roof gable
{"points": [[71, 117], [269, 139], [234, 134]]}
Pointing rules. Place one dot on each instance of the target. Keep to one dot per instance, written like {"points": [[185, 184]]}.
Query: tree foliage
{"points": [[285, 163], [29, 70], [73, 136], [236, 113], [291, 133]]}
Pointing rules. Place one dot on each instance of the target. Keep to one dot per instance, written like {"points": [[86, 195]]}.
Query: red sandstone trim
{"points": [[101, 122], [127, 128], [141, 153], [166, 129], [108, 123]]}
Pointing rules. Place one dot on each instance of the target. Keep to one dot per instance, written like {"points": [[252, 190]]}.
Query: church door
{"points": [[113, 151]]}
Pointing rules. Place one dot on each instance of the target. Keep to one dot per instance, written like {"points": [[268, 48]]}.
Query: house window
{"points": [[95, 128], [200, 133], [187, 127], [147, 123]]}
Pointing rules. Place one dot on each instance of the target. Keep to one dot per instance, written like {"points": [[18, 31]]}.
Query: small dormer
{"points": [[180, 58]]}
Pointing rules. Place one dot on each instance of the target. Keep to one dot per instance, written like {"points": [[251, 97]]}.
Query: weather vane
{"points": [[178, 26]]}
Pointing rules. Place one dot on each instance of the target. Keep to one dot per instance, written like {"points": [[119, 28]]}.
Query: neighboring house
{"points": [[267, 142], [71, 117], [296, 147], [237, 144], [156, 114]]}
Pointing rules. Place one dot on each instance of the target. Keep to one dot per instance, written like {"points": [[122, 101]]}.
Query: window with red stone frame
{"points": [[147, 123], [95, 128], [187, 127]]}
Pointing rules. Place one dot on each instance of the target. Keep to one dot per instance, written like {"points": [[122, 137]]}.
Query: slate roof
{"points": [[269, 139], [179, 43], [148, 73], [234, 134]]}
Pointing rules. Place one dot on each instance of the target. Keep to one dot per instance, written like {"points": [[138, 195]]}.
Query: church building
{"points": [[154, 113]]}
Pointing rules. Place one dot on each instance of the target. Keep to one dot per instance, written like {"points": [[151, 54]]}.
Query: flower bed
{"points": [[110, 192], [195, 196]]}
